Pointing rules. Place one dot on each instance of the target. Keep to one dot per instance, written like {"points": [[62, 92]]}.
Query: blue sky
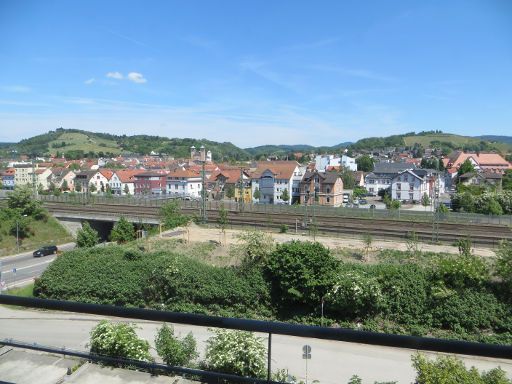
{"points": [[256, 72]]}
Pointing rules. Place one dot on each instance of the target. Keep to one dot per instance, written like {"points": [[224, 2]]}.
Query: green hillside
{"points": [[437, 139], [75, 143]]}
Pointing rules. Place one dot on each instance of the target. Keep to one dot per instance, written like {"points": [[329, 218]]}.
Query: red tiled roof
{"points": [[128, 175], [281, 169]]}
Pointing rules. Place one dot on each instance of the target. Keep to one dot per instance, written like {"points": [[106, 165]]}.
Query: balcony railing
{"points": [[268, 327]]}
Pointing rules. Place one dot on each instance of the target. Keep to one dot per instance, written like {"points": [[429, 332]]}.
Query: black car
{"points": [[44, 251]]}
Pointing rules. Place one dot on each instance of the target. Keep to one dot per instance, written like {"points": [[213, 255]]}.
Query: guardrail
{"points": [[318, 210], [268, 327]]}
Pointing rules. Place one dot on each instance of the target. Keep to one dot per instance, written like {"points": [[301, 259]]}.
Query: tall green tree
{"points": [[466, 167], [171, 215], [285, 196], [349, 181], [21, 199], [364, 163], [123, 231], [257, 194], [87, 236]]}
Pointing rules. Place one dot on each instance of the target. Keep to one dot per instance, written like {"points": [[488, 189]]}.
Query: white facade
{"points": [[99, 180], [411, 185], [324, 161], [272, 187], [183, 185], [348, 163]]}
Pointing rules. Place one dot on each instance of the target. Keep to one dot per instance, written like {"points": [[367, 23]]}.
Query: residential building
{"points": [[411, 185], [23, 174], [84, 180], [482, 179], [490, 162], [230, 178], [322, 162], [150, 183], [323, 188], [184, 183], [43, 178], [8, 178], [382, 175], [123, 181], [349, 163], [272, 178]]}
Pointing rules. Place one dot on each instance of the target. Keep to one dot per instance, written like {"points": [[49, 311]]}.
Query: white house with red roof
{"points": [[184, 183]]}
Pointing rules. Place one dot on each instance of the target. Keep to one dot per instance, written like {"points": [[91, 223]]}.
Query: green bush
{"points": [[504, 261], [405, 290], [123, 231], [87, 236], [464, 271], [468, 310], [354, 295], [173, 351], [236, 352], [302, 272], [451, 370], [118, 340]]}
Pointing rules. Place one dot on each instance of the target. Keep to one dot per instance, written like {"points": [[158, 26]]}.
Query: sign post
{"points": [[306, 355]]}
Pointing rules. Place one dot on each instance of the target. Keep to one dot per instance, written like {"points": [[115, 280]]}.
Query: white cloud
{"points": [[136, 77], [115, 75], [89, 81], [16, 88]]}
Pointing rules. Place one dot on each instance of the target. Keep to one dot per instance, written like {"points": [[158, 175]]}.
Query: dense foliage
{"points": [[171, 216], [450, 370], [173, 350], [444, 296], [236, 352], [123, 231], [87, 236], [487, 202], [118, 340]]}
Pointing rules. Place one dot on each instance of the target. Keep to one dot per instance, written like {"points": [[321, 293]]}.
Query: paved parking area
{"points": [[20, 367], [27, 367]]}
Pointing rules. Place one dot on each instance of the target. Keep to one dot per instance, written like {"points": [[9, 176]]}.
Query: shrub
{"points": [[87, 236], [468, 310], [451, 370], [302, 272], [354, 294], [118, 340], [186, 284], [171, 216], [123, 231], [405, 291], [254, 247], [283, 228], [236, 352], [173, 351], [461, 271], [504, 261]]}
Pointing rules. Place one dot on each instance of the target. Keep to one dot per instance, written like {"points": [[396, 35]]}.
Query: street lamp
{"points": [[17, 234]]}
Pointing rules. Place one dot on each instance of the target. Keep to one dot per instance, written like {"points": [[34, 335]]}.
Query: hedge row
{"points": [[452, 297]]}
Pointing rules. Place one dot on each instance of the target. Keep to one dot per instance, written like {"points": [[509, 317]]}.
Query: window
{"points": [[328, 199], [328, 191], [411, 196], [398, 186], [398, 195]]}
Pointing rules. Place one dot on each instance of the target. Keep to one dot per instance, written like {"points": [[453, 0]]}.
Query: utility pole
{"points": [[204, 216], [435, 213], [241, 194]]}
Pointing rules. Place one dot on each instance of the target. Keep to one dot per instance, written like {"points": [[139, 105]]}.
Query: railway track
{"points": [[481, 234]]}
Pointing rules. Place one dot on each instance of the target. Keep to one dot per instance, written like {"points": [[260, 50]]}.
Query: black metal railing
{"points": [[268, 327]]}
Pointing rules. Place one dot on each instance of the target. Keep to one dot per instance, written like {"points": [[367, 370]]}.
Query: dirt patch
{"points": [[197, 233]]}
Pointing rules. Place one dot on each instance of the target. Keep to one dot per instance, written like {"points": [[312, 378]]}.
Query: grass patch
{"points": [[49, 232], [24, 291], [80, 141]]}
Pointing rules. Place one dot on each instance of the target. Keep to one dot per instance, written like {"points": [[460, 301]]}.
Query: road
{"points": [[331, 361], [20, 269]]}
